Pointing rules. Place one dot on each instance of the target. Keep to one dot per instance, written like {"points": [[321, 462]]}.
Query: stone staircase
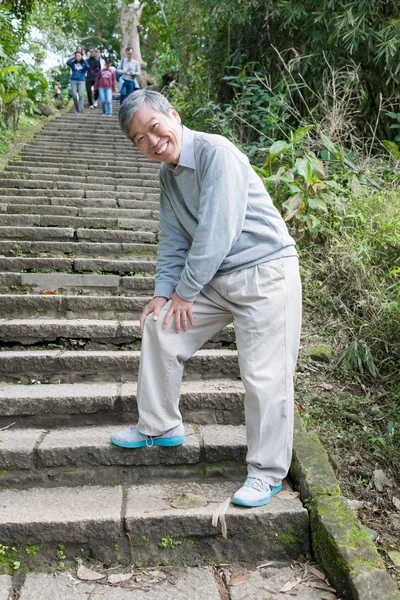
{"points": [[78, 233]]}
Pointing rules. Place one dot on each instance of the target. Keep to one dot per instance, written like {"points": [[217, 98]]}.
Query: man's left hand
{"points": [[182, 311]]}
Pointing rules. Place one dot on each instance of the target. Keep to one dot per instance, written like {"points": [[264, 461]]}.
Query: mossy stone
{"points": [[340, 543], [310, 468], [320, 353]]}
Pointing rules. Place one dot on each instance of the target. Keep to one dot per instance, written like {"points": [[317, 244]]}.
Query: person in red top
{"points": [[106, 84]]}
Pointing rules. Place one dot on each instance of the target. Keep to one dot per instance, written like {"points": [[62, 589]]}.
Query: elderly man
{"points": [[224, 255]]}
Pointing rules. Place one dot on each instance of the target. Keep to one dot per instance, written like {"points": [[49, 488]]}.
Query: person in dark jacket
{"points": [[94, 66], [78, 74], [106, 84]]}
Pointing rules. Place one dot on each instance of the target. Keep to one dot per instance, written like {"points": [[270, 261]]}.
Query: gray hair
{"points": [[135, 101]]}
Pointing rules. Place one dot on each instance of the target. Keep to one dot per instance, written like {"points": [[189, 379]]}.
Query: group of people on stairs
{"points": [[100, 77]]}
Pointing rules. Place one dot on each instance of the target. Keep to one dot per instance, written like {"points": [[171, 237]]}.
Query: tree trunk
{"points": [[130, 28]]}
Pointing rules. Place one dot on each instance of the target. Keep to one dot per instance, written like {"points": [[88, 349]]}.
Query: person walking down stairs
{"points": [[94, 66], [78, 68], [106, 85]]}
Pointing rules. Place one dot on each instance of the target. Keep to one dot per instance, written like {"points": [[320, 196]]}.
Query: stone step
{"points": [[46, 234], [90, 163], [133, 179], [80, 172], [62, 196], [148, 524], [208, 402], [86, 331], [80, 455], [100, 365], [120, 185], [81, 249], [28, 166], [78, 265], [45, 209], [67, 283], [67, 158], [72, 306], [29, 220]]}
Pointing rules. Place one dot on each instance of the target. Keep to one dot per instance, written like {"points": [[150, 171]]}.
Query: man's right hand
{"points": [[154, 307]]}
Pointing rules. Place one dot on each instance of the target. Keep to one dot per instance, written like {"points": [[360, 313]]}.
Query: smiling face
{"points": [[157, 136]]}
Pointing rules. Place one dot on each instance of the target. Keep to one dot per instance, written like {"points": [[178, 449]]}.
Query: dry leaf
{"points": [[319, 586], [394, 556], [88, 575], [290, 585], [238, 579], [288, 495], [326, 386], [381, 480], [315, 572], [48, 293], [328, 597], [119, 577], [355, 504], [396, 502], [219, 515]]}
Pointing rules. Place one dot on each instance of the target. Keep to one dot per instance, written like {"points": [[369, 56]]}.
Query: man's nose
{"points": [[153, 139]]}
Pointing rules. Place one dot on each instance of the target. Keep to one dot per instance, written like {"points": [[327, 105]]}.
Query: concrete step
{"points": [[81, 249], [80, 455], [96, 163], [45, 209], [29, 220], [115, 173], [48, 234], [78, 265], [67, 283], [18, 195], [100, 519], [208, 402], [40, 185], [91, 178], [72, 306], [100, 365], [111, 332]]}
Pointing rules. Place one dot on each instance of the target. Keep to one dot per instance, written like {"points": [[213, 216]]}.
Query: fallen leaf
{"points": [[288, 495], [319, 586], [355, 504], [394, 556], [328, 597], [48, 293], [381, 480], [315, 572], [72, 580], [119, 577], [326, 386], [396, 502], [238, 579], [290, 585], [189, 501], [88, 575], [394, 520]]}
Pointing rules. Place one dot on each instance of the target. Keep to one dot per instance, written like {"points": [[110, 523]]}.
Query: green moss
{"points": [[340, 544]]}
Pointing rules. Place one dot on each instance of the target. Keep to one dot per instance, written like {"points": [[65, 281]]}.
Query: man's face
{"points": [[129, 54], [92, 52], [157, 136]]}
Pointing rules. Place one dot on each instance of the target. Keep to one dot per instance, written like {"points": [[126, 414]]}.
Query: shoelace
{"points": [[257, 484], [149, 440]]}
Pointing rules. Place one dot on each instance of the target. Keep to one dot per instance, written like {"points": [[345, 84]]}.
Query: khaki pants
{"points": [[264, 303]]}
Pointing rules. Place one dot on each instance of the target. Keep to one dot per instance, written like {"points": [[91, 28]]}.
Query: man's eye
{"points": [[154, 126], [138, 140]]}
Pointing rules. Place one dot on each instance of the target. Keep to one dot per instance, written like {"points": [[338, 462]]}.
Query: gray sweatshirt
{"points": [[216, 217]]}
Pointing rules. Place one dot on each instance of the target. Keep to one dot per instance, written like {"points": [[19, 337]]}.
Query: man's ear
{"points": [[175, 114]]}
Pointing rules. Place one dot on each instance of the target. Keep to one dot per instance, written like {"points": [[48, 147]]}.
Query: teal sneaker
{"points": [[132, 438], [255, 492]]}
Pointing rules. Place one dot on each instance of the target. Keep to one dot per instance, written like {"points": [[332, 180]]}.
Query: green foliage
{"points": [[169, 542]]}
